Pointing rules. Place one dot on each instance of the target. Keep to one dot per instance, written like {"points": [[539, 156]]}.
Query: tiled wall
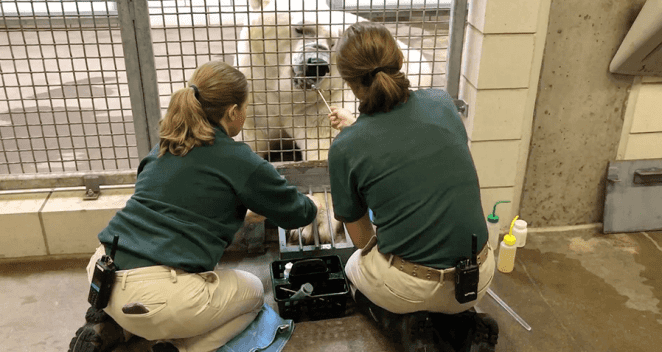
{"points": [[55, 223], [501, 66], [642, 126]]}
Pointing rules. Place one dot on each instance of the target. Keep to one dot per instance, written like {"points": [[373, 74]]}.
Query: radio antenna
{"points": [[113, 249], [474, 249]]}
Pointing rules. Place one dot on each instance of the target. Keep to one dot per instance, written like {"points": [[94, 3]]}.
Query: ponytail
{"points": [[370, 57], [194, 111], [185, 125], [385, 92]]}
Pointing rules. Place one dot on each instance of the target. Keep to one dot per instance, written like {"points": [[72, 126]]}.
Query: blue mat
{"points": [[267, 333]]}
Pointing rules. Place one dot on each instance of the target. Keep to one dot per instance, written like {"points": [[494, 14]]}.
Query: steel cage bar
{"points": [[162, 43]]}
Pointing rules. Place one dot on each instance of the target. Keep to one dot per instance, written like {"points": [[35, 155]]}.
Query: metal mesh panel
{"points": [[286, 122], [63, 98]]}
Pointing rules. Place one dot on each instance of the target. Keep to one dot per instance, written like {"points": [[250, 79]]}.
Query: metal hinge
{"points": [[92, 190], [462, 107], [612, 174]]}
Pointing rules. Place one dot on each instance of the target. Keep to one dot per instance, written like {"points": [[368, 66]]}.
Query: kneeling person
{"points": [[192, 195], [406, 158]]}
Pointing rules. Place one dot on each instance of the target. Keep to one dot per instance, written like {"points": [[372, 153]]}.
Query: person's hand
{"points": [[340, 118], [253, 217]]}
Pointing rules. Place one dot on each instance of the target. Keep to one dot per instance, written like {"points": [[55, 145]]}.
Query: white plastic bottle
{"points": [[288, 267], [520, 231], [507, 250], [493, 231], [493, 226]]}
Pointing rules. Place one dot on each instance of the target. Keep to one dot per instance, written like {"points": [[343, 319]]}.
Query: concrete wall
{"points": [[579, 113]]}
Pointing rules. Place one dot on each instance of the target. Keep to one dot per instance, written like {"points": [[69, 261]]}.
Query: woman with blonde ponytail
{"points": [[406, 158], [194, 191], [216, 90]]}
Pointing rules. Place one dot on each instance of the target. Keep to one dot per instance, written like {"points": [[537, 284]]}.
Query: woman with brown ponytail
{"points": [[406, 158], [192, 195]]}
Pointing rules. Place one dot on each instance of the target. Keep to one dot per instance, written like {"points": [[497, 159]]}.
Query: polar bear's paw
{"points": [[322, 222]]}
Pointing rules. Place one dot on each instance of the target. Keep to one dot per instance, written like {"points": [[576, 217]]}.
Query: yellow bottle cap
{"points": [[509, 240]]}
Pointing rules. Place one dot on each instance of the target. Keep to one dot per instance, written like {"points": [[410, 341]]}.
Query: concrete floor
{"points": [[578, 290]]}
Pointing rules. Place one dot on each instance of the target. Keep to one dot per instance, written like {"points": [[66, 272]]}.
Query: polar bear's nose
{"points": [[316, 67], [310, 66]]}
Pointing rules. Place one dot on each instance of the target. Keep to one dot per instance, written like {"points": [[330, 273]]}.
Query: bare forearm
{"points": [[361, 231], [253, 217]]}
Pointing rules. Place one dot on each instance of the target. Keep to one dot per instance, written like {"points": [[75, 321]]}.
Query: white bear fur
{"points": [[264, 55]]}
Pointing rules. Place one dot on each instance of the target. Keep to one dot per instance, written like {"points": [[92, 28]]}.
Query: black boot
{"points": [[453, 328], [485, 334], [467, 331], [418, 334], [381, 317], [164, 347], [99, 334], [413, 332]]}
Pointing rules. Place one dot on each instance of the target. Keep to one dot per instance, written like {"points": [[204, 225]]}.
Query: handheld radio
{"points": [[103, 278], [466, 275]]}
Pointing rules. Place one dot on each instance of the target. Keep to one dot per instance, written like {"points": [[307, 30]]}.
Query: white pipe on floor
{"points": [[508, 309]]}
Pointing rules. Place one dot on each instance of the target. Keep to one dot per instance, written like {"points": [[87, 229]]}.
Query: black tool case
{"points": [[330, 288]]}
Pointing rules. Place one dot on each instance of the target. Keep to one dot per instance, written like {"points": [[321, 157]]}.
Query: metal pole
{"points": [[455, 43], [141, 72]]}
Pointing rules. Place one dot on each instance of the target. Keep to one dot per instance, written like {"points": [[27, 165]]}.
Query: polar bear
{"points": [[327, 225], [286, 52]]}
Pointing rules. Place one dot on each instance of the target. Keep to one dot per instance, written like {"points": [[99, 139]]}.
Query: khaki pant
{"points": [[196, 312], [372, 273]]}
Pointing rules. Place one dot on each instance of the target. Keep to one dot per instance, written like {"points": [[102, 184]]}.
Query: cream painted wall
{"points": [[20, 226], [502, 58], [55, 223], [642, 124]]}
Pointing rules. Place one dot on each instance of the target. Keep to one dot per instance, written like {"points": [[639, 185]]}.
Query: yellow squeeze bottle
{"points": [[507, 250]]}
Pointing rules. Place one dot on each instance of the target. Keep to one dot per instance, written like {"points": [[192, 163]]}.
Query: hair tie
{"points": [[374, 72], [369, 77], [197, 92]]}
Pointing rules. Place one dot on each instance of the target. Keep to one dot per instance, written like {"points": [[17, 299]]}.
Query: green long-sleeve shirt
{"points": [[186, 210], [413, 168]]}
